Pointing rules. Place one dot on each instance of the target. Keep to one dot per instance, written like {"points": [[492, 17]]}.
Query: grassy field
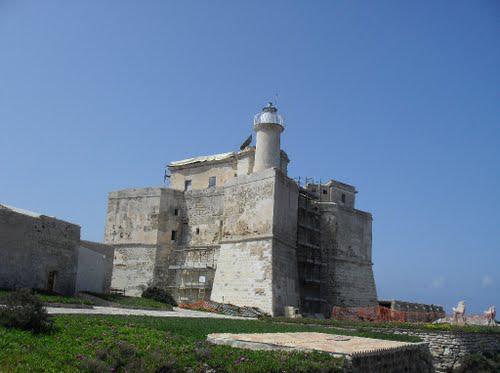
{"points": [[54, 298], [366, 325], [133, 302], [169, 342]]}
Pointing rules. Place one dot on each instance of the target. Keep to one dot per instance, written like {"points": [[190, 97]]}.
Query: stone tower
{"points": [[268, 125]]}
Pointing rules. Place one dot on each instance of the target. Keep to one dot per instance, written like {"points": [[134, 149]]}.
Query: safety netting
{"points": [[381, 314]]}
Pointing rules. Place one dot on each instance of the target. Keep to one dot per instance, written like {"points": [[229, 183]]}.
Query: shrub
{"points": [[159, 295], [125, 357], [479, 363], [23, 310]]}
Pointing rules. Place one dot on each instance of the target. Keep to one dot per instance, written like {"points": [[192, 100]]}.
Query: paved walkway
{"points": [[177, 312]]}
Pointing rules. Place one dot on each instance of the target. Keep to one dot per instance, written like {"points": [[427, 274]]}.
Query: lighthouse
{"points": [[268, 125]]}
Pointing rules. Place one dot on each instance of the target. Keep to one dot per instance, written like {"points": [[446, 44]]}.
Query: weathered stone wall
{"points": [[32, 247], [140, 225], [346, 248], [448, 348], [244, 269], [284, 263], [191, 269], [133, 268]]}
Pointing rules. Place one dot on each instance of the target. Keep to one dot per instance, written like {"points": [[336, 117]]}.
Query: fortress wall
{"points": [[285, 271], [134, 224], [244, 269], [191, 268], [133, 268], [133, 216], [346, 241]]}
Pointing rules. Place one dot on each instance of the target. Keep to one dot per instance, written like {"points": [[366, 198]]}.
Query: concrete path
{"points": [[177, 312]]}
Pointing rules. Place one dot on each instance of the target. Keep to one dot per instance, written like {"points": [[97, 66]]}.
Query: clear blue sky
{"points": [[401, 99]]}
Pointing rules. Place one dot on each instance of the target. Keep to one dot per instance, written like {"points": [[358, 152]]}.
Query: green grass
{"points": [[366, 325], [79, 338], [54, 298], [134, 302]]}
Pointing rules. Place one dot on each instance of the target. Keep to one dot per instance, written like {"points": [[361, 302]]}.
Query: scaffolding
{"points": [[309, 256], [191, 273]]}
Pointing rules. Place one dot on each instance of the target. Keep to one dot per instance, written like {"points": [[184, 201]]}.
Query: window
{"points": [[176, 212], [187, 185], [173, 237], [343, 198], [325, 191], [197, 230], [212, 181]]}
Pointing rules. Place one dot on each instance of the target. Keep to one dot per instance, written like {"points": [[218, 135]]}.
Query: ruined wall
{"points": [[244, 269], [199, 174], [448, 348], [346, 246], [32, 247]]}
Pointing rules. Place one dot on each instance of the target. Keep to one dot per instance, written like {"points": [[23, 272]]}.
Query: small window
{"points": [[325, 191], [212, 181], [197, 230], [343, 198], [187, 185], [173, 237], [176, 212]]}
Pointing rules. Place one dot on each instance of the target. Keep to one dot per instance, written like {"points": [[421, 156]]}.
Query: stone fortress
{"points": [[234, 228]]}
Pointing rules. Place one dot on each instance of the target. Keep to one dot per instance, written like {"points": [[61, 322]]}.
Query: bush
{"points": [[23, 310], [125, 357], [483, 363], [159, 295]]}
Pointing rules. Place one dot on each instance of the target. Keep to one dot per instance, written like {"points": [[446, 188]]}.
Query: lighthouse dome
{"points": [[269, 114]]}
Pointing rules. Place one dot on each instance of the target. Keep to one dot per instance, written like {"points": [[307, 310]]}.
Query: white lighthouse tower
{"points": [[268, 125]]}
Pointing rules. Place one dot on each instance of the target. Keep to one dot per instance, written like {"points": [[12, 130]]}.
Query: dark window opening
{"points": [[176, 212], [187, 185], [197, 230], [324, 191], [343, 198], [212, 181], [173, 237]]}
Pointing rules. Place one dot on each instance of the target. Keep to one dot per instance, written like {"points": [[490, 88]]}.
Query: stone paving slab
{"points": [[177, 312], [306, 341]]}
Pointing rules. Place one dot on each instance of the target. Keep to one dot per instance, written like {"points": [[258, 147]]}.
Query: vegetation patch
{"points": [[50, 298], [118, 343], [479, 363], [159, 295], [24, 311], [133, 302], [367, 325]]}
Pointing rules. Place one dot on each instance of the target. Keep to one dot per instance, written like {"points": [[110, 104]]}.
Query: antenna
{"points": [[276, 99]]}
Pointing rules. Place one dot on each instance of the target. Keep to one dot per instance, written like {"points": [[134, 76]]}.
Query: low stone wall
{"points": [[448, 348], [414, 358]]}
